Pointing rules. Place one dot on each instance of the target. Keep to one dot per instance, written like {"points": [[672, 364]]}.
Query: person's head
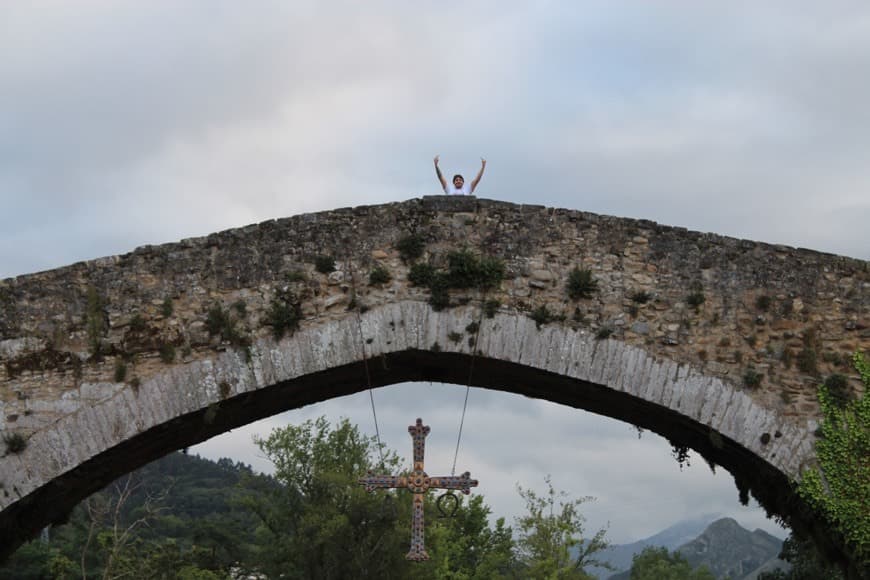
{"points": [[458, 181]]}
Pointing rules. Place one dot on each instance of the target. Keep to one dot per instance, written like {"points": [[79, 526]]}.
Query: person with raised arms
{"points": [[458, 185]]}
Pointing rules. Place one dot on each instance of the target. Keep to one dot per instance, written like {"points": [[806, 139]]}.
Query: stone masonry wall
{"points": [[76, 335]]}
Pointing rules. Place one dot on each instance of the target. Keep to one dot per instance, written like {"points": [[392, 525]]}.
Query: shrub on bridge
{"points": [[581, 284], [839, 488], [284, 313], [411, 247], [15, 443]]}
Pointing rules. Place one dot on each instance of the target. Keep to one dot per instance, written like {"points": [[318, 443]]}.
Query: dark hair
{"points": [[459, 176]]}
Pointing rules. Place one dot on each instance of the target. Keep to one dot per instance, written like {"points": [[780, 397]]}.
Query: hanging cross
{"points": [[419, 483]]}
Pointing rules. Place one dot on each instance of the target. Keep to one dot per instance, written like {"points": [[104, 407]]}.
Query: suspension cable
{"points": [[467, 388], [369, 385]]}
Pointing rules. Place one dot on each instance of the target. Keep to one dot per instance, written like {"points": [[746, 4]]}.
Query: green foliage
{"points": [[603, 332], [806, 563], [465, 270], [807, 361], [581, 284], [838, 388], [320, 523], [284, 314], [696, 299], [657, 563], [137, 323], [752, 378], [549, 531], [763, 303], [641, 296], [542, 315], [324, 264], [839, 488], [166, 308], [15, 443], [411, 247], [167, 352], [379, 275], [295, 276], [120, 370], [490, 307], [220, 322], [421, 274], [439, 288], [454, 337]]}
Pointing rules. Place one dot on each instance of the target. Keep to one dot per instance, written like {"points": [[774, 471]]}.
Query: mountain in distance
{"points": [[620, 555], [729, 551]]}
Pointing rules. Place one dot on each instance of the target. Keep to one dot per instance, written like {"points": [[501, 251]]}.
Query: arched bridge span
{"points": [[111, 363]]}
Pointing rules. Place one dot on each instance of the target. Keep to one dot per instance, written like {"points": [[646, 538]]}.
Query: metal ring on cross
{"points": [[447, 504]]}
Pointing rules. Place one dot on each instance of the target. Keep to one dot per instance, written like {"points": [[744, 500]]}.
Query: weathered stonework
{"points": [[107, 364]]}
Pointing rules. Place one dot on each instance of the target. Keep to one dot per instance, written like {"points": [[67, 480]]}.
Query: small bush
{"points": [[218, 322], [807, 361], [465, 270], [421, 274], [752, 378], [472, 327], [120, 370], [379, 275], [440, 294], [542, 315], [838, 387], [15, 443], [324, 264], [641, 297], [137, 323], [411, 247], [284, 314], [435, 347], [241, 308], [295, 276], [603, 333], [166, 308], [454, 337], [695, 299], [581, 284], [490, 307], [167, 352], [763, 303]]}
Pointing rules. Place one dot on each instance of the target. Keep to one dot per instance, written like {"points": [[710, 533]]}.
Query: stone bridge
{"points": [[715, 343]]}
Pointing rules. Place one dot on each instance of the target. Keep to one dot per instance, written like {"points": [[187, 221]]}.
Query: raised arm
{"points": [[438, 173], [479, 174]]}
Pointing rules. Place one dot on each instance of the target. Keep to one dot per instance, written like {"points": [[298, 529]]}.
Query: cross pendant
{"points": [[419, 483]]}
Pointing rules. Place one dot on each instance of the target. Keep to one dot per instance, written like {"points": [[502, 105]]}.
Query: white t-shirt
{"points": [[450, 189]]}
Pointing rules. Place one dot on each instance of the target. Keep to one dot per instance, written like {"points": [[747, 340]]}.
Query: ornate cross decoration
{"points": [[419, 483]]}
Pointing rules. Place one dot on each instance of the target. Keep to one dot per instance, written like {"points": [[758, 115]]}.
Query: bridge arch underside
{"points": [[768, 481]]}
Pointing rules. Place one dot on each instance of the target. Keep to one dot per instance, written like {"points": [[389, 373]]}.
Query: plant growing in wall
{"points": [[839, 487], [284, 314], [324, 264], [379, 275], [411, 247], [15, 443], [581, 284]]}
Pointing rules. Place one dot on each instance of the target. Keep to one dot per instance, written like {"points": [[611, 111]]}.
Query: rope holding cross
{"points": [[419, 482]]}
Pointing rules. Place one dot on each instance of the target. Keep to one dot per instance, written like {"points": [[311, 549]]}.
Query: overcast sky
{"points": [[131, 123]]}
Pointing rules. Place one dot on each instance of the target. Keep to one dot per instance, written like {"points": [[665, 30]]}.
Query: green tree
{"points": [[466, 547], [551, 543], [805, 561], [319, 522], [839, 488], [659, 564]]}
